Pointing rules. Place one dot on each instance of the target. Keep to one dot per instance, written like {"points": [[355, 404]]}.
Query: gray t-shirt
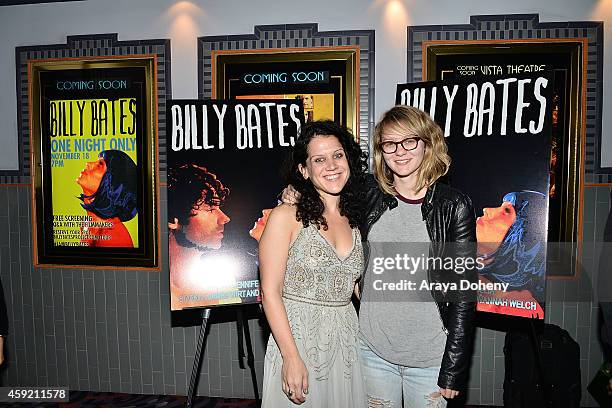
{"points": [[403, 327]]}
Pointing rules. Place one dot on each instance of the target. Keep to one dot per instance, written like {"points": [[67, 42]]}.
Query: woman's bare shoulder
{"points": [[282, 218], [281, 225], [284, 212]]}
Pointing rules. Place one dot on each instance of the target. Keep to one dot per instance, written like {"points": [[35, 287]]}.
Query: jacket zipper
{"points": [[432, 294]]}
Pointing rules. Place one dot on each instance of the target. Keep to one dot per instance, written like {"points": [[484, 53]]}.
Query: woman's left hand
{"points": [[448, 393]]}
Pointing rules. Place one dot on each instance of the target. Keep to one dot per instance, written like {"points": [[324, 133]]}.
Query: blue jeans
{"points": [[386, 383]]}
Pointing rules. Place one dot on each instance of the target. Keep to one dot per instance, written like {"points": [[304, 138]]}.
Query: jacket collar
{"points": [[389, 200], [428, 201]]}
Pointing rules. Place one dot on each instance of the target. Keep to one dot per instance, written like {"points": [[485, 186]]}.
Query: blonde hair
{"points": [[407, 121]]}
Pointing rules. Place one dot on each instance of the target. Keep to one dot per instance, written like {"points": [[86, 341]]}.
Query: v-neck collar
{"points": [[334, 248]]}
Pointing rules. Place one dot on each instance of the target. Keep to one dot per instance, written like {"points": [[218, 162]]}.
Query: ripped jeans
{"points": [[386, 382]]}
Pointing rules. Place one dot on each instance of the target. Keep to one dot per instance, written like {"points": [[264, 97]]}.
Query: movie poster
{"points": [[92, 133], [317, 106], [498, 133], [320, 85], [89, 148], [493, 65], [224, 175]]}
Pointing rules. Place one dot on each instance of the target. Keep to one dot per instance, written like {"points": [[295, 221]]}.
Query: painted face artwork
{"points": [[89, 179], [326, 166], [308, 101], [493, 225], [260, 224], [403, 162], [206, 226]]}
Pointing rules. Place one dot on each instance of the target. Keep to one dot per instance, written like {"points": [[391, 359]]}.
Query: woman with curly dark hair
{"points": [[310, 258]]}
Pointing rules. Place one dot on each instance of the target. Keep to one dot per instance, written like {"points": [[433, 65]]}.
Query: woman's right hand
{"points": [[295, 379], [290, 195]]}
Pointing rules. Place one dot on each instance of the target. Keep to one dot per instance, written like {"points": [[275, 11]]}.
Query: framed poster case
{"points": [[93, 130], [326, 79], [491, 46], [564, 58]]}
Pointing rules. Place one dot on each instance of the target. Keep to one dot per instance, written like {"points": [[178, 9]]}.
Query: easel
{"points": [[243, 330], [197, 361], [244, 333]]}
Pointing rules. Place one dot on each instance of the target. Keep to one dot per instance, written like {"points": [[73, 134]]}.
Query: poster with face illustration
{"points": [[91, 167], [95, 186], [317, 106], [224, 175], [498, 134]]}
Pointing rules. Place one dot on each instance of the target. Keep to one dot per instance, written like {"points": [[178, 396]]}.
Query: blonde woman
{"points": [[414, 350]]}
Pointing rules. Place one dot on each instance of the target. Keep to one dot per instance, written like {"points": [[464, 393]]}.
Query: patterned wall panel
{"points": [[298, 36], [98, 45], [523, 26]]}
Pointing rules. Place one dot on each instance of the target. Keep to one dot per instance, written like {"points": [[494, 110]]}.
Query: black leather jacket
{"points": [[449, 216]]}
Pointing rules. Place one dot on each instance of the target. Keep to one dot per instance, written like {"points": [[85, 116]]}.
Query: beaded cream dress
{"points": [[317, 296]]}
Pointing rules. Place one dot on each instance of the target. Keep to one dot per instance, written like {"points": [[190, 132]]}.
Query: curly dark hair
{"points": [[310, 207], [192, 186]]}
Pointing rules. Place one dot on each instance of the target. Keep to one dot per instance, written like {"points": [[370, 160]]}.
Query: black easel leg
{"points": [[250, 355], [197, 361], [240, 332]]}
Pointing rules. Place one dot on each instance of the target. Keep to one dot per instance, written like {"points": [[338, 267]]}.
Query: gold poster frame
{"points": [[150, 258]]}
